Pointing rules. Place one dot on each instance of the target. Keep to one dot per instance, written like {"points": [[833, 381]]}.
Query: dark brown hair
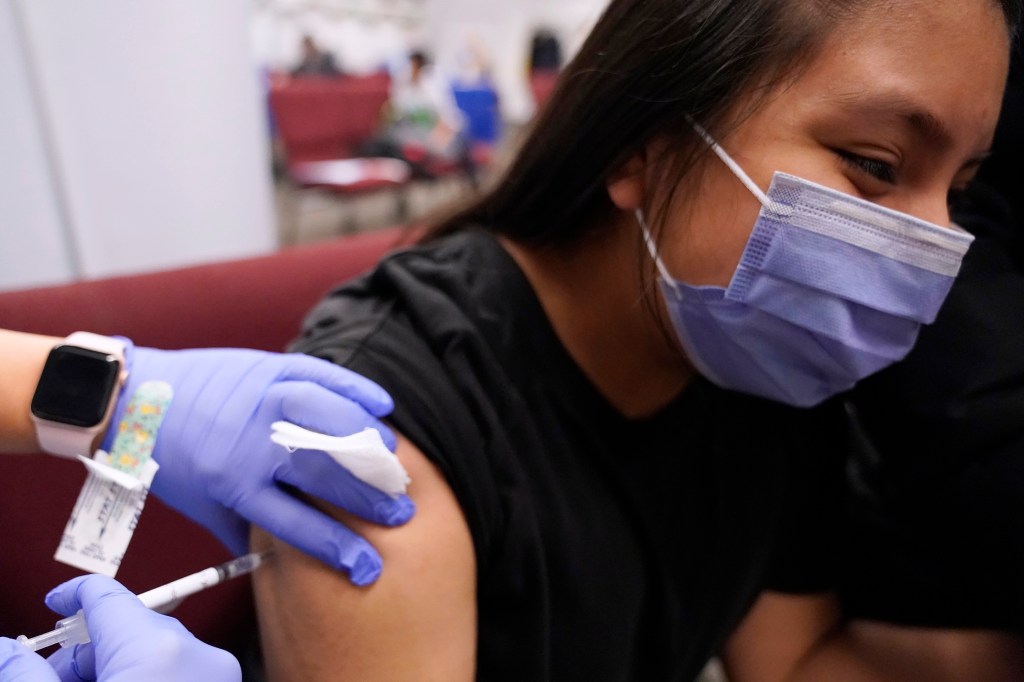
{"points": [[645, 66]]}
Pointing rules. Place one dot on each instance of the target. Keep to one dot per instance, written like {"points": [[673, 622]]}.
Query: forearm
{"points": [[872, 652], [803, 638], [21, 362]]}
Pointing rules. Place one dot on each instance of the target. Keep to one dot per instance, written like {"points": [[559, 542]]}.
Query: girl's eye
{"points": [[879, 170]]}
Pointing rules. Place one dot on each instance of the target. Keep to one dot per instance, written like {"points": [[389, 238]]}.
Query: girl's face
{"points": [[898, 108]]}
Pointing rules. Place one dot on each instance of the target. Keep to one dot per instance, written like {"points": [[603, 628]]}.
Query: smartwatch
{"points": [[77, 390]]}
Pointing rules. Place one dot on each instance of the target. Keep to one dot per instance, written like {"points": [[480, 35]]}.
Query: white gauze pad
{"points": [[363, 454]]}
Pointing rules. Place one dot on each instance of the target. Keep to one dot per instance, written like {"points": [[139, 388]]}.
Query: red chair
{"points": [[327, 118], [322, 123]]}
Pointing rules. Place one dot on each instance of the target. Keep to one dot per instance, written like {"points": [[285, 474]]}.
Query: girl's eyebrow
{"points": [[895, 104]]}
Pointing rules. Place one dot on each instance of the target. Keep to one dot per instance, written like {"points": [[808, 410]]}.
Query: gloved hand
{"points": [[129, 642], [18, 664], [219, 467]]}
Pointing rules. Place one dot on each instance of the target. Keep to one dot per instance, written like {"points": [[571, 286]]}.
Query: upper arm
{"points": [[417, 622]]}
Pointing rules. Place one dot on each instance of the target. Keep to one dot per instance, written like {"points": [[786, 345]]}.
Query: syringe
{"points": [[72, 630]]}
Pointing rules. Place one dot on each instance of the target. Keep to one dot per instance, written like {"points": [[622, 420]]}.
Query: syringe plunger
{"points": [[69, 631]]}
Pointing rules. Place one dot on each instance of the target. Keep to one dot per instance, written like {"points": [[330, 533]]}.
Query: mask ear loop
{"points": [[741, 175], [652, 248]]}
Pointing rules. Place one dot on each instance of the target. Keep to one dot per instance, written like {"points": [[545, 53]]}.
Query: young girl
{"points": [[612, 372]]}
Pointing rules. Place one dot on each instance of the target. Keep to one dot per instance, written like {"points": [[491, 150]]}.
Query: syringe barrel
{"points": [[180, 588]]}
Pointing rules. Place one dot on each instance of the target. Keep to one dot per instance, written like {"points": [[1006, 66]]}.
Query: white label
{"points": [[103, 520]]}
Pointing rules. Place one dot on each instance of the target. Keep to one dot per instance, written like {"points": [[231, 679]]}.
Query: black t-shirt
{"points": [[937, 528], [606, 548]]}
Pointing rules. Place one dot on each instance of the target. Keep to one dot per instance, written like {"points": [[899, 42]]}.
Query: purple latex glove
{"points": [[18, 664], [130, 643], [219, 467]]}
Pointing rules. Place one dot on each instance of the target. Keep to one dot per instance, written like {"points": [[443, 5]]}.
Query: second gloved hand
{"points": [[130, 643], [219, 467], [18, 664]]}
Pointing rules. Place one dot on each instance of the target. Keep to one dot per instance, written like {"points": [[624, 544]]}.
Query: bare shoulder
{"points": [[417, 622]]}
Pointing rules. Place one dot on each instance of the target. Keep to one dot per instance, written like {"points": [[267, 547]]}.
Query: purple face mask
{"points": [[830, 289]]}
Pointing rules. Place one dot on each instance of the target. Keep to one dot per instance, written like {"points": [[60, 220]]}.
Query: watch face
{"points": [[75, 386]]}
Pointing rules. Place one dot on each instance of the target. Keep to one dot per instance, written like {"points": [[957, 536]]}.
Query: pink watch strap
{"points": [[66, 441]]}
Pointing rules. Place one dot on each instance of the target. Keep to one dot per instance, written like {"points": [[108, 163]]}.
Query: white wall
{"points": [[33, 248], [154, 118]]}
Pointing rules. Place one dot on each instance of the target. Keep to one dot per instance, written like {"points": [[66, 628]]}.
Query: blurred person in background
{"points": [[545, 65], [545, 52], [421, 122], [316, 61]]}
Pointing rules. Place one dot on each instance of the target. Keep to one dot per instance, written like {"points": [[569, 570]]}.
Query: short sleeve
{"points": [[439, 404]]}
